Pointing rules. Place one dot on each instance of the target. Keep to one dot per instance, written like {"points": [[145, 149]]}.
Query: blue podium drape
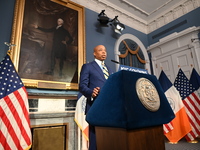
{"points": [[118, 104]]}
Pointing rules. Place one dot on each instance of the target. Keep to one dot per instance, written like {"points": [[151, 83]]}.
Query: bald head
{"points": [[100, 52]]}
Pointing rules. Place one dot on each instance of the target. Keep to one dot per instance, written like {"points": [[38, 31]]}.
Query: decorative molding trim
{"points": [[142, 11], [134, 21], [173, 14], [174, 36]]}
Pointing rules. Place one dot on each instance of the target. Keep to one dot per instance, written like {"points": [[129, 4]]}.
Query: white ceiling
{"points": [[145, 10], [142, 15]]}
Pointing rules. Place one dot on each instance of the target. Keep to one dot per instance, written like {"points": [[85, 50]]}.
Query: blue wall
{"points": [[95, 35], [6, 17]]}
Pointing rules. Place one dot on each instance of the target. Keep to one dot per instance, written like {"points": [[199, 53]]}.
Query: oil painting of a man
{"points": [[49, 44]]}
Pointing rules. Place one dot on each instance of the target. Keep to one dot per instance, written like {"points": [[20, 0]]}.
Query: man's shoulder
{"points": [[90, 63]]}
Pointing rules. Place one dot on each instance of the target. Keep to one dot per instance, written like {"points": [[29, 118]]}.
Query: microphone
{"points": [[115, 61]]}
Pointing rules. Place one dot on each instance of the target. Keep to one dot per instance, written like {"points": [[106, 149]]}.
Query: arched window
{"points": [[131, 54], [130, 51]]}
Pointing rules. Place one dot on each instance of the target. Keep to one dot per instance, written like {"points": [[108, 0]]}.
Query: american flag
{"points": [[195, 80], [15, 133], [192, 103]]}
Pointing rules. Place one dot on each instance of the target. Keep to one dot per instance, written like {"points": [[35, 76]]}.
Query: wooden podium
{"points": [[122, 121], [151, 138]]}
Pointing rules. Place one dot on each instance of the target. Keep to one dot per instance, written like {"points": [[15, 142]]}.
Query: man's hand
{"points": [[35, 26], [95, 92], [64, 42]]}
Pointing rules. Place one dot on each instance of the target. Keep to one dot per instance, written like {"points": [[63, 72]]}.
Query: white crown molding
{"points": [[142, 11], [133, 21], [172, 14], [112, 11]]}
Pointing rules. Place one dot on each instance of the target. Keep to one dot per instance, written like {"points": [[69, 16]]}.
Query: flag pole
{"points": [[9, 47]]}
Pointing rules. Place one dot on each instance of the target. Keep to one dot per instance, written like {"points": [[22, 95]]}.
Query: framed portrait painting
{"points": [[50, 43]]}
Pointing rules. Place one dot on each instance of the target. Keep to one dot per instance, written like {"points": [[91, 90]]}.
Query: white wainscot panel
{"points": [[51, 105]]}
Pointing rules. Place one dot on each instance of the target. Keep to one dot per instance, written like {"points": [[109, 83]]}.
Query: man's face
{"points": [[100, 52], [60, 21]]}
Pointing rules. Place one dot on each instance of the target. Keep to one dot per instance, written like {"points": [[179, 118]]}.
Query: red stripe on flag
{"points": [[20, 115], [25, 112], [11, 131], [198, 103], [168, 127], [193, 122], [4, 142], [193, 114], [190, 136]]}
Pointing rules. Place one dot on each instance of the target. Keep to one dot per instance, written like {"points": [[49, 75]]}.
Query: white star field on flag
{"points": [[9, 79], [183, 85]]}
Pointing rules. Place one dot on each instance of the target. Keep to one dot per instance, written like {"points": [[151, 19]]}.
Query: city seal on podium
{"points": [[148, 94]]}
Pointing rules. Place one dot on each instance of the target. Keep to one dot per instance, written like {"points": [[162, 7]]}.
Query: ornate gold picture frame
{"points": [[39, 61]]}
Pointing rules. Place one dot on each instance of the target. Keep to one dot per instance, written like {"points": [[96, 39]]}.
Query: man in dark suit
{"points": [[92, 80], [60, 42]]}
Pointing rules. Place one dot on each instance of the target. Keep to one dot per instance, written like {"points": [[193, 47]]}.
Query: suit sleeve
{"points": [[84, 81], [47, 30], [70, 40]]}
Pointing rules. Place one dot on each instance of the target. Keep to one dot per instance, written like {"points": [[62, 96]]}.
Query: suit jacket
{"points": [[91, 77]]}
